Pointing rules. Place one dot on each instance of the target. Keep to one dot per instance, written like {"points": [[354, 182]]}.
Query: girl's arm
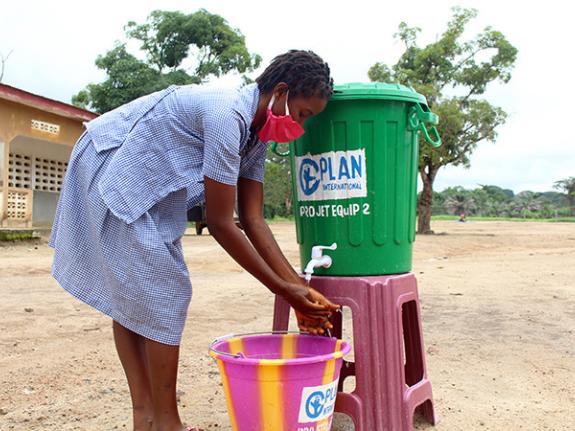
{"points": [[250, 208], [220, 202], [250, 211]]}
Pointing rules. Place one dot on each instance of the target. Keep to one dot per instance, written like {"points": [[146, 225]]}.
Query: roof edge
{"points": [[17, 95]]}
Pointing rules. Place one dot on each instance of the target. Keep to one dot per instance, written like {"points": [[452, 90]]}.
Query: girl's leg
{"points": [[163, 372], [131, 350]]}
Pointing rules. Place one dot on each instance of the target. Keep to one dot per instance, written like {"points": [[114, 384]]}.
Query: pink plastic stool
{"points": [[389, 366]]}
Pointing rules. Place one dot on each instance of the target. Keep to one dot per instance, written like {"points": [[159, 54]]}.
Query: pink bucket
{"points": [[280, 382]]}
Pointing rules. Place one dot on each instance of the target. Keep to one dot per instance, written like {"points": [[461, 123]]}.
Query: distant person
{"points": [[122, 212], [462, 218]]}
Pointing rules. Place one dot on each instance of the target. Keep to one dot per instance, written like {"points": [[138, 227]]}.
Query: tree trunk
{"points": [[424, 203], [287, 203]]}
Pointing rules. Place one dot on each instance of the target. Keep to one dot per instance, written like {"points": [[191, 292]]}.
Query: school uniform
{"points": [[130, 180]]}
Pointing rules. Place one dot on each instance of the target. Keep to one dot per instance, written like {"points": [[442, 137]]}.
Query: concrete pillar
{"points": [[4, 151]]}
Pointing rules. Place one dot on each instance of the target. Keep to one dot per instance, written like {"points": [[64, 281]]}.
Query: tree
{"points": [[458, 200], [277, 186], [497, 193], [496, 201], [568, 186], [481, 202], [525, 203], [178, 48], [438, 206], [3, 61], [439, 70]]}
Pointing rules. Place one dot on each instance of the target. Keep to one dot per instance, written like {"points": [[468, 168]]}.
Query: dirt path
{"points": [[498, 311]]}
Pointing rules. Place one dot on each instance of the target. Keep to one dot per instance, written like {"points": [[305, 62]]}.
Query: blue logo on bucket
{"points": [[314, 405], [317, 402]]}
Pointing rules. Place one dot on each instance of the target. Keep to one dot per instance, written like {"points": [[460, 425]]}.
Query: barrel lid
{"points": [[376, 90]]}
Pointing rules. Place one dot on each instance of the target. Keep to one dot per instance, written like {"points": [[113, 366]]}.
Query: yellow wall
{"points": [[15, 121]]}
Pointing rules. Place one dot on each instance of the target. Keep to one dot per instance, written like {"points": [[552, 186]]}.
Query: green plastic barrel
{"points": [[354, 175]]}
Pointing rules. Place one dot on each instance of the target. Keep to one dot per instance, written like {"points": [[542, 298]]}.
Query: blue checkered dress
{"points": [[122, 210]]}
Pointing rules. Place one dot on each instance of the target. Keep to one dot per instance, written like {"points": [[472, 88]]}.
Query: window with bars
{"points": [[19, 171], [36, 173], [18, 204], [48, 174]]}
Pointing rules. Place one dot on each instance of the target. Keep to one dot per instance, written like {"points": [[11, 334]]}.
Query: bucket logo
{"points": [[317, 403], [332, 175], [314, 404]]}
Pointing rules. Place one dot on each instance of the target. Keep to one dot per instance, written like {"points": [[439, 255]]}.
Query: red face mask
{"points": [[279, 128]]}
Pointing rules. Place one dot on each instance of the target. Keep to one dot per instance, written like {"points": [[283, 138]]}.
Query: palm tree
{"points": [[568, 186], [459, 201], [526, 202]]}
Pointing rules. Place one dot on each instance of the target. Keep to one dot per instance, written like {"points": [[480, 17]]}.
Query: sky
{"points": [[53, 46]]}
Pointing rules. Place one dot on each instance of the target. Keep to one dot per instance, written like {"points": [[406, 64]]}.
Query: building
{"points": [[36, 138]]}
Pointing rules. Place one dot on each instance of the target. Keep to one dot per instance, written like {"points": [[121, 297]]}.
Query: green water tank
{"points": [[354, 174]]}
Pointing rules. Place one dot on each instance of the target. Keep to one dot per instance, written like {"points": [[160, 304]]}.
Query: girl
{"points": [[122, 211]]}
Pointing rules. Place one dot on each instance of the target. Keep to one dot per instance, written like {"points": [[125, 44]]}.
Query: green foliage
{"points": [[168, 40], [482, 218], [457, 200], [492, 201], [568, 186], [452, 73], [168, 36], [17, 235], [128, 79], [277, 187], [497, 193]]}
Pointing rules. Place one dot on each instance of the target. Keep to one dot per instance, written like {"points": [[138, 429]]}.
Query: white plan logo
{"points": [[331, 175]]}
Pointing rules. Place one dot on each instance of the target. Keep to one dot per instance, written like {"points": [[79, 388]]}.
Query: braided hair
{"points": [[305, 73]]}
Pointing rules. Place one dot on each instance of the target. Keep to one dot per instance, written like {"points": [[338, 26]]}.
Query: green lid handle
{"points": [[279, 153], [417, 120]]}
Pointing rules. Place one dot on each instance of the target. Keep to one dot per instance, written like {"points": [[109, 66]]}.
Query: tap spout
{"points": [[321, 262]]}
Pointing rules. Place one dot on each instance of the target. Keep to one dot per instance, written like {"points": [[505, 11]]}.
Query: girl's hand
{"points": [[311, 324], [318, 298], [312, 308]]}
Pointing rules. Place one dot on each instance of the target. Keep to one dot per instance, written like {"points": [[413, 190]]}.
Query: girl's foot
{"points": [[143, 423], [142, 419]]}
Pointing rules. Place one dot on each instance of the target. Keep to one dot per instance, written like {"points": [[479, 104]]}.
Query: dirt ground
{"points": [[498, 305]]}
